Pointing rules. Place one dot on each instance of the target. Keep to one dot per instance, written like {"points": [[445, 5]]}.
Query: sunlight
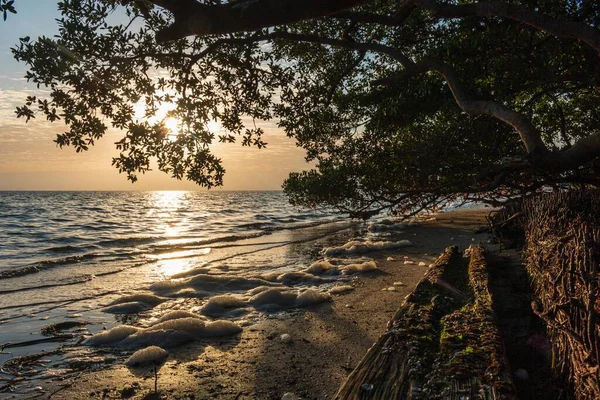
{"points": [[172, 267], [168, 198], [161, 115], [214, 126], [179, 261], [172, 125], [171, 231], [165, 202]]}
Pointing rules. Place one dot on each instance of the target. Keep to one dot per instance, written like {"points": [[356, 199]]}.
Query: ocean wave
{"points": [[71, 248]]}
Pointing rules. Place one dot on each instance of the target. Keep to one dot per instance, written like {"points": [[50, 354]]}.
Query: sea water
{"points": [[107, 259]]}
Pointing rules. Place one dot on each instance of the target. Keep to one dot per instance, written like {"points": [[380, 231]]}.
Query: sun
{"points": [[173, 125]]}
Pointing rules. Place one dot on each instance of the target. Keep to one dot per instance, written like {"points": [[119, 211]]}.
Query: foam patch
{"points": [[152, 355]]}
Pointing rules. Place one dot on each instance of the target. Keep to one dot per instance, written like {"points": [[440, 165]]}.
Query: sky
{"points": [[30, 160]]}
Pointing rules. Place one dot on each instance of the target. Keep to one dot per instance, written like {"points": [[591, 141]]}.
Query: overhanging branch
{"points": [[530, 136], [194, 18], [525, 15]]}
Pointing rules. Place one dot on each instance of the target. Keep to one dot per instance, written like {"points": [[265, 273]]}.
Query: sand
{"points": [[325, 341]]}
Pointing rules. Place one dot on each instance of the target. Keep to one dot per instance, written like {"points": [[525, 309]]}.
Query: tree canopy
{"points": [[402, 105]]}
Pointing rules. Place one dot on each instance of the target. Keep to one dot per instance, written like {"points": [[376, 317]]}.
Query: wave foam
{"points": [[153, 355], [358, 247], [220, 305]]}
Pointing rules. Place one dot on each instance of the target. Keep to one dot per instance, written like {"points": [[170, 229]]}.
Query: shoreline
{"points": [[327, 340]]}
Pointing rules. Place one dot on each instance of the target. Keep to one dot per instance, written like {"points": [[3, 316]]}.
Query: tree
{"points": [[403, 105]]}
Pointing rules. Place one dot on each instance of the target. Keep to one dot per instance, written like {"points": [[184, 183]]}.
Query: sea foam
{"points": [[220, 305], [168, 333], [358, 247], [152, 355]]}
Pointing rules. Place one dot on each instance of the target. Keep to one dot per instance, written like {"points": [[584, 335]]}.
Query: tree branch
{"points": [[530, 136], [371, 18], [194, 18], [525, 15]]}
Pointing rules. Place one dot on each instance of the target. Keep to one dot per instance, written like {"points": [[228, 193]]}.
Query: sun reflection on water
{"points": [[168, 198], [172, 267], [166, 202], [172, 263]]}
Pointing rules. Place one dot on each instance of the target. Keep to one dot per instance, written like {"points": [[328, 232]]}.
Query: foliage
{"points": [[381, 132], [7, 6]]}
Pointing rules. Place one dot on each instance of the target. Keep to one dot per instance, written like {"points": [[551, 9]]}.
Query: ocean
{"points": [[93, 261]]}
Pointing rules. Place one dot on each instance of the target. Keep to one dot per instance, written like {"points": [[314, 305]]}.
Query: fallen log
{"points": [[396, 365], [442, 343], [471, 362]]}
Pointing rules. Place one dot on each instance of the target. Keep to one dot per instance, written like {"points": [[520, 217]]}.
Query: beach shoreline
{"points": [[325, 341]]}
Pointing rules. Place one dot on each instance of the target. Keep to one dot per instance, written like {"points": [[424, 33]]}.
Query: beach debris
{"points": [[340, 289], [358, 247], [398, 283], [285, 338], [422, 264], [408, 262], [86, 362], [391, 259], [23, 367], [56, 338], [391, 289], [54, 329]]}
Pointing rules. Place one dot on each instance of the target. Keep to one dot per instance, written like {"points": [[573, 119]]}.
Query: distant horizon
{"points": [[141, 190]]}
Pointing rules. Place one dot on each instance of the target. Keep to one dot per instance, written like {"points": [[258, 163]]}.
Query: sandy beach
{"points": [[325, 341]]}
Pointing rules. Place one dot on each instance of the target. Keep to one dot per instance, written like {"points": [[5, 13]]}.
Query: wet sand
{"points": [[327, 341]]}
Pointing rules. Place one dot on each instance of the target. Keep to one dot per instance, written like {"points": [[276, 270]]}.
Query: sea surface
{"points": [[65, 256]]}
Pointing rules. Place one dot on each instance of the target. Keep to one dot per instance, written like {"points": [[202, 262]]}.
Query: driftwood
{"points": [[440, 344]]}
